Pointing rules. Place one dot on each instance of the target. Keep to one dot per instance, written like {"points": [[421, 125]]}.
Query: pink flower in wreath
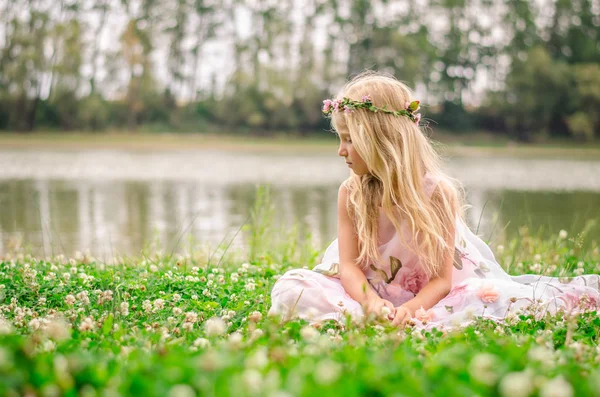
{"points": [[412, 279], [326, 105], [488, 293]]}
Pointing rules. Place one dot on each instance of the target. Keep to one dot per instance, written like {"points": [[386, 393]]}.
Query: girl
{"points": [[403, 250]]}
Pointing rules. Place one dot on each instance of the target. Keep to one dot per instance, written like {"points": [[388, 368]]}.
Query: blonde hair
{"points": [[397, 155]]}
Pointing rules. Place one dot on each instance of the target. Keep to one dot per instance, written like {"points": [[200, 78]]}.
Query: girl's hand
{"points": [[402, 315], [380, 308]]}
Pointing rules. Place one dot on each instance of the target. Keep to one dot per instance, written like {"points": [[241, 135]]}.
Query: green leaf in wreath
{"points": [[414, 105]]}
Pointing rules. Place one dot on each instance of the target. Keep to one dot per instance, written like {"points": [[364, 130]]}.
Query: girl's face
{"points": [[347, 151]]}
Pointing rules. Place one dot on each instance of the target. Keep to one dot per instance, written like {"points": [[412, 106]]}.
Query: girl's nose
{"points": [[342, 151]]}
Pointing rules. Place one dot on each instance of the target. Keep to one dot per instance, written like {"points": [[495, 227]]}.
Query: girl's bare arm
{"points": [[353, 279]]}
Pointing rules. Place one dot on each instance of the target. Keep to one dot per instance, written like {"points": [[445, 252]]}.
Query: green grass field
{"points": [[197, 324]]}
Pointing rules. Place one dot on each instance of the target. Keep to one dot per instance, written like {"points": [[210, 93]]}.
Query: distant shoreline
{"points": [[451, 145]]}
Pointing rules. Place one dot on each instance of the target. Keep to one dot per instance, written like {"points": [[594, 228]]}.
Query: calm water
{"points": [[119, 202]]}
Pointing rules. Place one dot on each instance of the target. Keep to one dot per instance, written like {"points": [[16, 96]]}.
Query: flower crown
{"points": [[348, 106]]}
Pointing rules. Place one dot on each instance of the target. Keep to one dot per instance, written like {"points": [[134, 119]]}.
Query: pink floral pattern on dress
{"points": [[412, 279], [488, 293]]}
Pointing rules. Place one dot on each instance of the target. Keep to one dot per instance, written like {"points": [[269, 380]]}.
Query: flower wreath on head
{"points": [[348, 106]]}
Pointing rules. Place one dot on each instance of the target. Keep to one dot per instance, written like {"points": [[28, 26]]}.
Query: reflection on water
{"points": [[57, 209]]}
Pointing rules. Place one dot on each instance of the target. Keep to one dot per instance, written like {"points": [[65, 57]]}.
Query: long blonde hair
{"points": [[397, 155]]}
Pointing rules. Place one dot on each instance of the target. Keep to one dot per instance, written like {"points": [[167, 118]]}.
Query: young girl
{"points": [[403, 250]]}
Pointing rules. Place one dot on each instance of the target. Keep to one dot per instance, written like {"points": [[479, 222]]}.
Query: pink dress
{"points": [[480, 287]]}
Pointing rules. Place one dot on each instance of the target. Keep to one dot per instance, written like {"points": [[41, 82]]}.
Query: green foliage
{"points": [[161, 325], [538, 64]]}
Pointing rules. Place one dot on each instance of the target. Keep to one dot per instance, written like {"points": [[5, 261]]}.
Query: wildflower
{"points": [[58, 329], [488, 293], [516, 384], [557, 387], [87, 324], [182, 391], [482, 367], [206, 292], [326, 105], [177, 311], [215, 326], [417, 118], [153, 268], [235, 339], [124, 308], [202, 342], [176, 297], [147, 306], [159, 304], [537, 258], [70, 300], [327, 372], [83, 297], [366, 98], [259, 359], [188, 326], [5, 326], [562, 234], [253, 380], [255, 316], [309, 333], [191, 317]]}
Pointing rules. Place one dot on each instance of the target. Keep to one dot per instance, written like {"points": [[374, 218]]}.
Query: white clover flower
{"points": [[309, 333], [177, 311], [215, 326], [195, 269], [327, 372], [255, 316], [253, 380], [153, 268], [250, 286], [235, 339], [159, 304], [58, 329], [562, 234], [516, 384], [124, 307], [206, 292], [202, 342], [176, 297], [147, 306], [557, 387], [188, 327], [87, 324], [195, 297], [67, 276], [500, 249], [182, 391], [209, 283], [482, 368], [70, 300], [259, 359], [191, 317]]}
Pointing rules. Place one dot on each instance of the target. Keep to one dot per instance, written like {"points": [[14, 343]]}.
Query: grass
{"points": [[473, 144], [172, 325]]}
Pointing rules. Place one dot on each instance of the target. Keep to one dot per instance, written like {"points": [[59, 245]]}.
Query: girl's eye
{"points": [[349, 140]]}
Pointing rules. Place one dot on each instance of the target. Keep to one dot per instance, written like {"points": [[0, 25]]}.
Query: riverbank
{"points": [[474, 145]]}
